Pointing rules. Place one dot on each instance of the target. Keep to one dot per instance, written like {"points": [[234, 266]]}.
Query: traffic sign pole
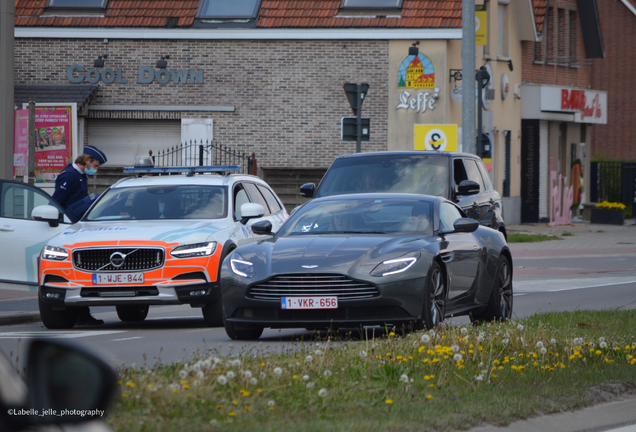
{"points": [[358, 118]]}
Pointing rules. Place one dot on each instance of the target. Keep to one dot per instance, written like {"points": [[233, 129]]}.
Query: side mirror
{"points": [[307, 190], [263, 227], [465, 225], [72, 384], [251, 211], [468, 187], [47, 213]]}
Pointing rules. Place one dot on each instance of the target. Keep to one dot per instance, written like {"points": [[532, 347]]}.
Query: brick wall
{"points": [[287, 94], [615, 74], [554, 59]]}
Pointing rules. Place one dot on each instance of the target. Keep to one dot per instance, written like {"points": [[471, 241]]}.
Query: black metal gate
{"points": [[200, 154], [613, 182]]}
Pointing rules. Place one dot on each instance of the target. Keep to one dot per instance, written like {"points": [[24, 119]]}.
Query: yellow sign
{"points": [[481, 25], [436, 137]]}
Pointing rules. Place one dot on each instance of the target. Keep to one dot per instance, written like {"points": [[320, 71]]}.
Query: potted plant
{"points": [[608, 213]]}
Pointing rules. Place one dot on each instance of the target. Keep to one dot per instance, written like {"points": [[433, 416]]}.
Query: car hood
{"points": [[169, 231], [358, 253]]}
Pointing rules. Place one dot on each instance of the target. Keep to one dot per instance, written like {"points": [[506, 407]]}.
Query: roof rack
{"points": [[216, 169]]}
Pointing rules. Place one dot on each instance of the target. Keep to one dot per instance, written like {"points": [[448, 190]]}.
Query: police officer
{"points": [[71, 192]]}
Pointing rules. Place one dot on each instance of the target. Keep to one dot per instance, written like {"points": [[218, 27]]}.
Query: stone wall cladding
{"points": [[288, 94]]}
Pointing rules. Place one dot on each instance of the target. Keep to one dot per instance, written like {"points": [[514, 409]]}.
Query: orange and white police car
{"points": [[154, 240]]}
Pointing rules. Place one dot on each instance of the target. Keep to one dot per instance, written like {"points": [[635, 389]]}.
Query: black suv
{"points": [[459, 177]]}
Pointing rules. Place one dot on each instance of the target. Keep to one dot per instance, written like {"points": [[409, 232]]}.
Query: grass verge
{"points": [[530, 238], [454, 377]]}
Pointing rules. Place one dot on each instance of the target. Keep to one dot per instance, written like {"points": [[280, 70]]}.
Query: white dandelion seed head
{"points": [[310, 385], [200, 374], [404, 378], [553, 341], [278, 371], [236, 363], [262, 375], [216, 361], [322, 393], [205, 364], [505, 341], [455, 348], [432, 333], [230, 375], [464, 330], [363, 354], [481, 336], [543, 350], [318, 352], [603, 344], [520, 327], [305, 377], [327, 373], [221, 380], [479, 377], [213, 422], [309, 358], [247, 374], [457, 357], [425, 338], [253, 381], [271, 403], [481, 365], [196, 383], [196, 367], [539, 344], [412, 380], [183, 374], [601, 339]]}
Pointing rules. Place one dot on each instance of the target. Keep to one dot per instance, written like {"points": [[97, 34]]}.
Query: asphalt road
{"points": [[176, 333]]}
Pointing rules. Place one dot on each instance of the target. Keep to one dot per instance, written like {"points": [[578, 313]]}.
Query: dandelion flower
{"points": [[305, 377], [603, 345], [432, 333], [363, 354], [464, 330], [247, 374], [601, 339], [479, 377], [196, 367], [481, 365], [520, 327], [539, 344], [271, 403], [404, 378], [230, 375], [317, 352], [428, 396], [543, 350], [455, 348], [505, 341], [236, 363], [199, 374], [327, 373], [309, 358], [278, 371], [253, 381], [183, 374], [425, 338], [221, 380], [310, 385], [262, 375], [213, 422], [322, 393], [457, 357], [388, 401], [552, 341]]}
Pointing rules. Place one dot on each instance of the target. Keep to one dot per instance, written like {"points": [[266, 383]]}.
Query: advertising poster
{"points": [[436, 137], [481, 25], [53, 125], [20, 143]]}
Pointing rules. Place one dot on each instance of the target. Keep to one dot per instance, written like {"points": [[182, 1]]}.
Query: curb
{"points": [[20, 318]]}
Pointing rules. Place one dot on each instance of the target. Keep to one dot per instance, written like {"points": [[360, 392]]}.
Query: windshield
{"points": [[161, 202], [420, 174], [359, 216]]}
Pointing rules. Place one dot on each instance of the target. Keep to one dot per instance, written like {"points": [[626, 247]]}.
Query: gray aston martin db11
{"points": [[367, 259]]}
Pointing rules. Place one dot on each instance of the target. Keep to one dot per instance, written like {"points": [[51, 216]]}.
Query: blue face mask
{"points": [[90, 171]]}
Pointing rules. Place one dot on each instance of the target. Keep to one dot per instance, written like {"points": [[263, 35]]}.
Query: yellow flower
{"points": [[428, 396], [130, 384], [119, 382], [420, 349], [232, 414], [185, 386], [432, 385], [175, 390], [184, 381], [248, 408], [244, 392], [598, 352], [259, 390], [124, 395], [262, 364], [392, 334], [388, 401], [295, 377], [426, 377], [219, 406], [235, 402]]}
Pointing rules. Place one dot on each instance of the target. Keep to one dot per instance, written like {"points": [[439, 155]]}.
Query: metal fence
{"points": [[203, 154], [613, 182]]}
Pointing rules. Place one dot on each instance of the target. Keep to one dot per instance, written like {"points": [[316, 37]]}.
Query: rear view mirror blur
{"points": [[47, 213], [72, 384], [307, 190], [467, 187]]}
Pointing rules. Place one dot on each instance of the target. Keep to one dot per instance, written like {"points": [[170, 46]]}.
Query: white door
{"points": [[123, 140], [193, 133], [21, 236]]}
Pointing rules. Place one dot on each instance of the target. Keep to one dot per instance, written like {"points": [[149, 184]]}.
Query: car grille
{"points": [[135, 259], [313, 285]]}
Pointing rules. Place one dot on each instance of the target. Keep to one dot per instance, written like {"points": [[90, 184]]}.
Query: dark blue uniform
{"points": [[70, 186]]}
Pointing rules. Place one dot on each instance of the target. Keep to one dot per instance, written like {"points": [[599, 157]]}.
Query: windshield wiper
{"points": [[356, 232]]}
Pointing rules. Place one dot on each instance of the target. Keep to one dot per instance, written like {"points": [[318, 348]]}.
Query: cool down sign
{"points": [[77, 75]]}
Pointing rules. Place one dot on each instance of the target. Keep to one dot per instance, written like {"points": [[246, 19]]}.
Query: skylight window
{"points": [[229, 9], [77, 4], [371, 4]]}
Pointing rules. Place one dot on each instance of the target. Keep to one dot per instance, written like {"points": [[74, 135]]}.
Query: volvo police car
{"points": [[154, 240]]}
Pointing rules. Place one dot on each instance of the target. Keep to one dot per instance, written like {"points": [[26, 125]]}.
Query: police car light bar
{"points": [[221, 169]]}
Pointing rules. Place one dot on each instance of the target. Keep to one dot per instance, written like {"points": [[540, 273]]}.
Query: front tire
{"points": [[434, 297], [132, 313], [57, 319], [242, 332], [499, 306]]}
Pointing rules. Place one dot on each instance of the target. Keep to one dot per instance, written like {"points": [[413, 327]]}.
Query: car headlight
{"points": [[194, 250], [242, 267], [54, 253], [394, 266]]}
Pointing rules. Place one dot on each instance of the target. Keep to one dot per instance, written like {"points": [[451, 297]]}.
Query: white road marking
{"points": [[556, 285], [125, 339], [52, 334]]}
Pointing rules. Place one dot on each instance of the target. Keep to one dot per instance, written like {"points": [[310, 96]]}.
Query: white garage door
{"points": [[123, 140]]}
